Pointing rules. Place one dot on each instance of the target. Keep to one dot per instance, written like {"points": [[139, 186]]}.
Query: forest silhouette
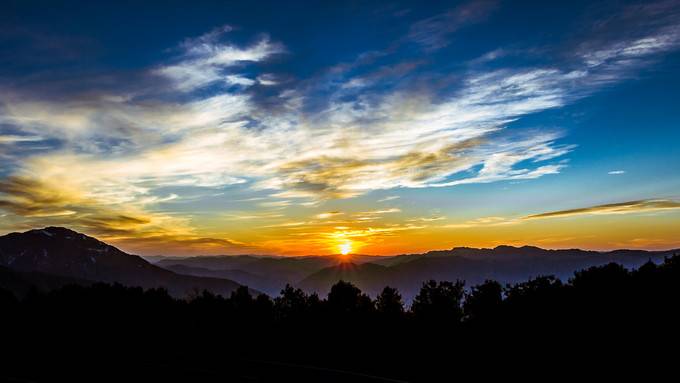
{"points": [[109, 331]]}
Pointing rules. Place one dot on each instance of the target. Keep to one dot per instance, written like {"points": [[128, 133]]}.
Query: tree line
{"points": [[608, 290], [604, 310]]}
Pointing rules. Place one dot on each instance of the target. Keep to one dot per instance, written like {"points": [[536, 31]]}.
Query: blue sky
{"points": [[218, 127]]}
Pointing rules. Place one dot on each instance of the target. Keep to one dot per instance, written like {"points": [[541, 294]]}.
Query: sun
{"points": [[345, 248]]}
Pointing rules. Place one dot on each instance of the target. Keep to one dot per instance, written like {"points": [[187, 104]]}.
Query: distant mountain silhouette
{"points": [[66, 253], [271, 286], [506, 264], [210, 262], [264, 273]]}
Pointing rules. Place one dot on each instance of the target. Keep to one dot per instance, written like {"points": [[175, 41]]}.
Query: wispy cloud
{"points": [[13, 139], [287, 224], [427, 219], [372, 215], [630, 37], [616, 172], [483, 221], [47, 203], [278, 204], [205, 61], [630, 207], [379, 212], [434, 32], [329, 214], [251, 215]]}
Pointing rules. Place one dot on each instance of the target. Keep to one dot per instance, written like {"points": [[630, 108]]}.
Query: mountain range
{"points": [[407, 272], [505, 264], [54, 256]]}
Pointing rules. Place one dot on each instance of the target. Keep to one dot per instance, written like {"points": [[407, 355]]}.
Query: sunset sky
{"points": [[183, 128]]}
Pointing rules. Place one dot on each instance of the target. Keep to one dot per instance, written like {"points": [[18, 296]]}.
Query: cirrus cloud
{"points": [[629, 207]]}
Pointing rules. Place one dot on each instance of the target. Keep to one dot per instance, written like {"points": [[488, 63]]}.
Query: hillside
{"points": [[66, 253]]}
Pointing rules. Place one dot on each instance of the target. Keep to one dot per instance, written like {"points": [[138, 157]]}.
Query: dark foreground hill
{"points": [[65, 253]]}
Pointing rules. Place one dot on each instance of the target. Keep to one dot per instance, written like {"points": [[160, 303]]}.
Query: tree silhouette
{"points": [[439, 301], [240, 299], [536, 300], [483, 303], [346, 299], [291, 304], [263, 309], [389, 303]]}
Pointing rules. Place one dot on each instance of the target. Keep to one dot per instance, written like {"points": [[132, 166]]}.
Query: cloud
{"points": [[13, 139], [388, 198], [373, 215], [630, 207], [432, 33], [427, 219], [267, 79], [46, 201], [49, 203], [119, 125], [629, 39], [205, 61], [329, 214], [378, 212], [400, 138], [616, 172], [276, 204], [251, 215], [287, 224], [483, 221]]}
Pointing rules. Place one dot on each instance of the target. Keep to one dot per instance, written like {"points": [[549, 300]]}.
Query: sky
{"points": [[187, 128]]}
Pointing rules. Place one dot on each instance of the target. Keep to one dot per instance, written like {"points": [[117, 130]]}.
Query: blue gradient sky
{"points": [[389, 127]]}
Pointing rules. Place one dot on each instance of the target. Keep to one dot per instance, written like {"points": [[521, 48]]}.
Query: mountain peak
{"points": [[51, 231], [524, 250], [505, 247], [65, 252]]}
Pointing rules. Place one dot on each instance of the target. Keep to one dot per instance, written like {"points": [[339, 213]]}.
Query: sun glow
{"points": [[345, 248]]}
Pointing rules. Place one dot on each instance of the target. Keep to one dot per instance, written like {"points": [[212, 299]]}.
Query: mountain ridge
{"points": [[63, 252], [506, 264]]}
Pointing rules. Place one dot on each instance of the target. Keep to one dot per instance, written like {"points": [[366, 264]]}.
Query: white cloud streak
{"points": [[207, 61]]}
